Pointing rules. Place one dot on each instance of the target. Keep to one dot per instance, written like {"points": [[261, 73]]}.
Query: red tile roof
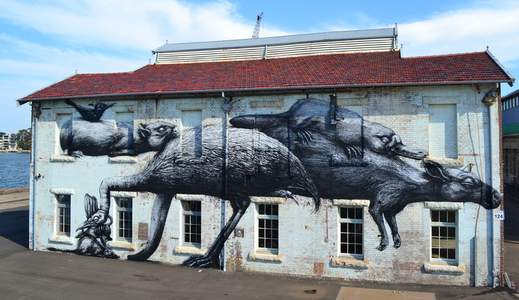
{"points": [[337, 70]]}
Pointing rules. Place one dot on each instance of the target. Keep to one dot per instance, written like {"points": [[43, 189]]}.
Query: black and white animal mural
{"points": [[245, 168], [92, 136], [93, 237], [349, 157], [315, 149]]}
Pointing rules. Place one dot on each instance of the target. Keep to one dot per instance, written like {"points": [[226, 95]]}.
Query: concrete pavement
{"points": [[25, 274], [512, 234]]}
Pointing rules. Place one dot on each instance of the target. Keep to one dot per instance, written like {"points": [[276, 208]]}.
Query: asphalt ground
{"points": [[26, 274]]}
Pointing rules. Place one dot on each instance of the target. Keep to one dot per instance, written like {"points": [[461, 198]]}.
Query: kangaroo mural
{"points": [[263, 167], [322, 135]]}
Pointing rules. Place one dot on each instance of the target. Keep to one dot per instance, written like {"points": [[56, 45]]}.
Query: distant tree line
{"points": [[23, 139]]}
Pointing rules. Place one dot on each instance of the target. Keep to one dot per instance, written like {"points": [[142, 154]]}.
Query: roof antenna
{"points": [[257, 27]]}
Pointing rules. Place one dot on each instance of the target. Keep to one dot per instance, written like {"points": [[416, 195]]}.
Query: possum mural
{"points": [[348, 157]]}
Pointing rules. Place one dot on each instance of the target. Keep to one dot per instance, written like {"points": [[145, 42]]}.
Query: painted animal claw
{"points": [[77, 154], [202, 261], [381, 247]]}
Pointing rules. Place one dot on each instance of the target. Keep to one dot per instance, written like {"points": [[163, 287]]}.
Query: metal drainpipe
{"points": [[33, 175], [226, 107], [501, 186], [490, 214]]}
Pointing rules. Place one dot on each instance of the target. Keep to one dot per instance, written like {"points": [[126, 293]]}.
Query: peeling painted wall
{"points": [[307, 240]]}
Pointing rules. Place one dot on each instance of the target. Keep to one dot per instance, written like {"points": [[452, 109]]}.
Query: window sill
{"points": [[122, 245], [348, 262], [350, 202], [190, 250], [62, 158], [443, 268], [122, 160], [268, 200], [60, 239], [62, 191], [443, 205], [266, 257]]}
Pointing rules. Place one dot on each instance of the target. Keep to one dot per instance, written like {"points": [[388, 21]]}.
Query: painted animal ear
{"points": [[90, 205], [436, 171]]}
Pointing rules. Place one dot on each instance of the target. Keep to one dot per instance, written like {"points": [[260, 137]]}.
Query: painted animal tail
{"points": [[158, 221], [305, 182]]}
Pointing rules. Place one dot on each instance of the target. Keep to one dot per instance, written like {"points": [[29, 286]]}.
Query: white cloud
{"points": [[133, 24], [494, 24]]}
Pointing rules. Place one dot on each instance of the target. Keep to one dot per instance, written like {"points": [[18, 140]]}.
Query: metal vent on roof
{"points": [[278, 47]]}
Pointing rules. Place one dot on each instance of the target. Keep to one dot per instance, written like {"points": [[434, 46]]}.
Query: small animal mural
{"points": [[92, 136], [93, 237], [90, 114], [314, 149]]}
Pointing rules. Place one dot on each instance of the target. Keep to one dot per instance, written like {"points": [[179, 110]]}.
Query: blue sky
{"points": [[42, 42]]}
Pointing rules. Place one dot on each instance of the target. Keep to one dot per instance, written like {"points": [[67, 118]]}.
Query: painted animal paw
{"points": [[382, 246], [202, 261], [396, 242], [77, 154]]}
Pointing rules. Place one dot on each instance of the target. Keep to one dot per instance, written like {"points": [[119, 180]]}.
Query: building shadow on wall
{"points": [[14, 225]]}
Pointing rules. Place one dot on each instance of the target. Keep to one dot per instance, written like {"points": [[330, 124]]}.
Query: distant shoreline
{"points": [[5, 191], [15, 151]]}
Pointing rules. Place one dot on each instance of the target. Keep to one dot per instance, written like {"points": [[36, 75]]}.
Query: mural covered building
{"points": [[327, 155]]}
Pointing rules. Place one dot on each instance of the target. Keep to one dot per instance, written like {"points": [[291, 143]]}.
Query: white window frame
{"points": [[353, 221], [58, 219], [183, 223], [258, 216], [454, 225], [122, 242]]}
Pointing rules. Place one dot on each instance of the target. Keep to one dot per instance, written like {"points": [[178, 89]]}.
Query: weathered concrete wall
{"points": [[308, 242]]}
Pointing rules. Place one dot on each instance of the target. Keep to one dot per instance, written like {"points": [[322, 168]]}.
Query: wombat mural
{"points": [[261, 167], [321, 134]]}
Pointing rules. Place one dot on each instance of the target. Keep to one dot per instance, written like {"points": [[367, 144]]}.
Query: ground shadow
{"points": [[14, 225]]}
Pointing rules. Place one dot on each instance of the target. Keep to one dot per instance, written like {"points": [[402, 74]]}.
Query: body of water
{"points": [[14, 170]]}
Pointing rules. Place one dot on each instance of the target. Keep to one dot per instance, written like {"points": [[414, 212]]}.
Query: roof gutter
{"points": [[245, 91]]}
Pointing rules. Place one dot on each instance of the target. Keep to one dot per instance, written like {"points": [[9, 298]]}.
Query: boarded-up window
{"points": [[192, 143], [62, 120], [124, 121], [443, 131]]}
